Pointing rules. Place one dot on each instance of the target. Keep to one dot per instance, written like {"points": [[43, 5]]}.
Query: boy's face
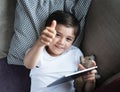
{"points": [[63, 40]]}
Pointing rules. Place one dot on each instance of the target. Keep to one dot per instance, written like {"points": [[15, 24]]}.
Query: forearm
{"points": [[89, 86], [32, 56]]}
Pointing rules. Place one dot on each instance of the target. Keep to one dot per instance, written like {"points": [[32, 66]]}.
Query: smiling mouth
{"points": [[59, 47]]}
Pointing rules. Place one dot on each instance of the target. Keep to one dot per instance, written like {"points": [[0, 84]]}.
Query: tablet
{"points": [[71, 76]]}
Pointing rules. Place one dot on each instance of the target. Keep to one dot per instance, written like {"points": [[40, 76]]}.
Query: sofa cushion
{"points": [[30, 18], [13, 78], [114, 86], [102, 37], [6, 25]]}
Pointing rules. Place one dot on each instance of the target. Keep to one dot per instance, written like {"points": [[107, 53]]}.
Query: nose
{"points": [[62, 41]]}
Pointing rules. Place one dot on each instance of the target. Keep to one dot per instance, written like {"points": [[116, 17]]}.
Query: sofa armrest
{"points": [[110, 85], [111, 79]]}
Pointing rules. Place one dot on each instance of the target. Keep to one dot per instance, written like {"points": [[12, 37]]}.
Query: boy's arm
{"points": [[89, 86], [33, 55], [89, 80]]}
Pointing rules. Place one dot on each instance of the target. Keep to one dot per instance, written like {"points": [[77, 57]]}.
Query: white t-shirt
{"points": [[52, 68]]}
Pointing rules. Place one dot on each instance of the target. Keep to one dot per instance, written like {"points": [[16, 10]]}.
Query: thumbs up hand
{"points": [[89, 76], [48, 34], [52, 28]]}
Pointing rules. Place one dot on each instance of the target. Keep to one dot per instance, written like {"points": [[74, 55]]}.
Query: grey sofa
{"points": [[101, 38]]}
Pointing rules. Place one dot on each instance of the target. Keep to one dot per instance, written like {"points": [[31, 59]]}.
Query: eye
{"points": [[69, 39], [58, 35]]}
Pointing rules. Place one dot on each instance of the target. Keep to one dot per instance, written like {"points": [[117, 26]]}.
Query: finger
{"points": [[48, 33], [53, 32], [81, 67], [94, 71], [93, 63], [45, 40], [89, 77], [53, 24]]}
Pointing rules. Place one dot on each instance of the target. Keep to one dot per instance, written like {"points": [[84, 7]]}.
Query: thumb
{"points": [[53, 24], [93, 63], [81, 67]]}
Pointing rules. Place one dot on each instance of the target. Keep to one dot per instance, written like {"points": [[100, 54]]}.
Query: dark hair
{"points": [[65, 18]]}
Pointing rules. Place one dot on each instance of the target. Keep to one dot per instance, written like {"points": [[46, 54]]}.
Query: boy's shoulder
{"points": [[74, 48]]}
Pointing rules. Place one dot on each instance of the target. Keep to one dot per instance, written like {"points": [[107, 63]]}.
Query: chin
{"points": [[57, 54]]}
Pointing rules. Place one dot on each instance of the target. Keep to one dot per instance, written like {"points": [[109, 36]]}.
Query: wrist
{"points": [[91, 81], [89, 86], [38, 44]]}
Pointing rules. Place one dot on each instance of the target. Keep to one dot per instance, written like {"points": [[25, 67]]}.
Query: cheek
{"points": [[55, 40], [68, 45]]}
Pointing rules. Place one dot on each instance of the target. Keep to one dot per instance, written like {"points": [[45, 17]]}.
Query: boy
{"points": [[53, 55]]}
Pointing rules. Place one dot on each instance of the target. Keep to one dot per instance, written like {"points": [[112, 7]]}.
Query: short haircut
{"points": [[65, 18]]}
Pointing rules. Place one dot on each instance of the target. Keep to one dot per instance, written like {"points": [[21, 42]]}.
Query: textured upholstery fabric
{"points": [[13, 78], [6, 25], [29, 21], [102, 37], [114, 86]]}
